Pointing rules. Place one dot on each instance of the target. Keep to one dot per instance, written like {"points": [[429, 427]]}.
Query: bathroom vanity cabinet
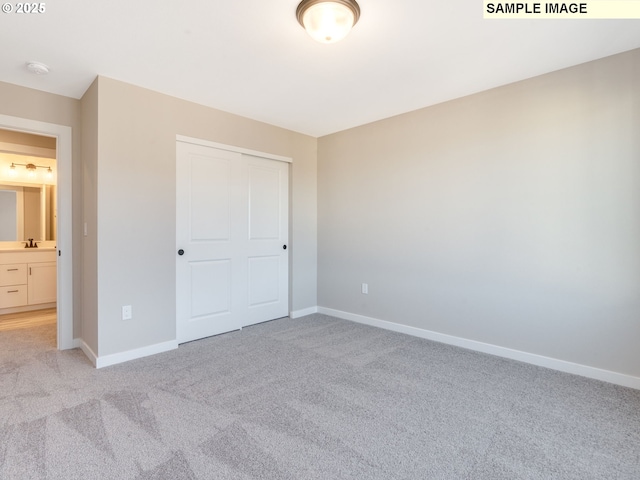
{"points": [[27, 280]]}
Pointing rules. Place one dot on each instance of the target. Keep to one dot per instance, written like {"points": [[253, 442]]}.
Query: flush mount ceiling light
{"points": [[328, 21], [37, 68]]}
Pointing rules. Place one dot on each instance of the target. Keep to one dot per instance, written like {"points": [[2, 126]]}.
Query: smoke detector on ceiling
{"points": [[37, 68]]}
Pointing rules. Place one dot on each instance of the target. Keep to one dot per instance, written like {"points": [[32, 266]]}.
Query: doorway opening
{"points": [[28, 226], [36, 283]]}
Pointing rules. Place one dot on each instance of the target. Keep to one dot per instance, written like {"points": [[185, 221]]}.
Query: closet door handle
{"points": [[29, 270]]}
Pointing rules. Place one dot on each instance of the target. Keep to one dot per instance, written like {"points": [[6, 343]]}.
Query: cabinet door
{"points": [[42, 282]]}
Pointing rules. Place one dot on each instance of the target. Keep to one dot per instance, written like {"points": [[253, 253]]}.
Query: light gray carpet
{"points": [[313, 398]]}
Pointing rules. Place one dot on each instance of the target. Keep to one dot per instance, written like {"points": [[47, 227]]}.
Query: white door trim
{"points": [[231, 148], [64, 242]]}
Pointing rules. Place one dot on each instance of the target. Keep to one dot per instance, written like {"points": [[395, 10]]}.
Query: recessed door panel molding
{"points": [[210, 202], [232, 264], [210, 288], [264, 202], [264, 280]]}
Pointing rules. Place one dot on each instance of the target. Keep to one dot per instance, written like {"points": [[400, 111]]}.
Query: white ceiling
{"points": [[251, 57]]}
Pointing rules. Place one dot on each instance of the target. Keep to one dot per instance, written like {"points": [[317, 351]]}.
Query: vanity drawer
{"points": [[13, 274], [13, 296]]}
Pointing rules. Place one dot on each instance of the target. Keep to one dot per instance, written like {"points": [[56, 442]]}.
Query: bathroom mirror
{"points": [[27, 211], [28, 194]]}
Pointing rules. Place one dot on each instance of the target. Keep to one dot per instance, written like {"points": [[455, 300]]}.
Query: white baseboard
{"points": [[88, 352], [303, 312], [121, 357], [115, 358], [539, 360], [76, 343]]}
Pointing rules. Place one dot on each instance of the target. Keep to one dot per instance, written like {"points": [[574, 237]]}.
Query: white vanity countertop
{"points": [[39, 249]]}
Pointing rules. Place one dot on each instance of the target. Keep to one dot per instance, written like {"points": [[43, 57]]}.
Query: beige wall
{"points": [[89, 105], [136, 145], [45, 107], [126, 163], [510, 217]]}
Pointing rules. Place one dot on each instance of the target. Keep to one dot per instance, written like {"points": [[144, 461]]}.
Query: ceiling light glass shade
{"points": [[31, 170], [328, 21]]}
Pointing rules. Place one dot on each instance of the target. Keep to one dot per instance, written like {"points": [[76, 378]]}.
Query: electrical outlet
{"points": [[127, 312], [365, 288]]}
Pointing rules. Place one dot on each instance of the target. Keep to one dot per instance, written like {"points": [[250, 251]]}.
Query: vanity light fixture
{"points": [[328, 21], [32, 169]]}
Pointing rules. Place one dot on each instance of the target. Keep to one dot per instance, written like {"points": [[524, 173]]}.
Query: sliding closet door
{"points": [[267, 254], [231, 239]]}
